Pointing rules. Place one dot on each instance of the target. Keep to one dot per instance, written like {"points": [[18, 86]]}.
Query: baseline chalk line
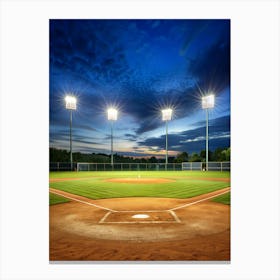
{"points": [[85, 202], [198, 201]]}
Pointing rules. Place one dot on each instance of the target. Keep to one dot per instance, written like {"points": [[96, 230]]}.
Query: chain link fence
{"points": [[84, 166], [212, 166]]}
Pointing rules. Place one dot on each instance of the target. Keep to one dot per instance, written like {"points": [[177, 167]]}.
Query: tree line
{"points": [[58, 155]]}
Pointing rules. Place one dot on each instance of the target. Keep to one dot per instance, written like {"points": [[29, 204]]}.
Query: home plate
{"points": [[134, 217], [140, 216]]}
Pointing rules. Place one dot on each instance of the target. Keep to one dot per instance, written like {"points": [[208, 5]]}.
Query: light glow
{"points": [[208, 101], [166, 114], [112, 114], [70, 102]]}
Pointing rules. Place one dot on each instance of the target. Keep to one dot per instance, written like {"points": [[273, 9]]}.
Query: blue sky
{"points": [[139, 67]]}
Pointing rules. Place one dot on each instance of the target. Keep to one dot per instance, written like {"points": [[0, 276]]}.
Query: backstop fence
{"points": [[84, 166]]}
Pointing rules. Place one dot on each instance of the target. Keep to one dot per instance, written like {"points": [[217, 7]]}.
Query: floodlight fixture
{"points": [[208, 102], [112, 114], [166, 114], [70, 102]]}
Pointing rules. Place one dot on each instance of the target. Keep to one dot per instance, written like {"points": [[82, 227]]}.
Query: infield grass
{"points": [[94, 185], [56, 199], [224, 198]]}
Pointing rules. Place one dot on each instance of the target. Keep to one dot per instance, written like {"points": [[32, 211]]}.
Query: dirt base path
{"points": [[81, 231]]}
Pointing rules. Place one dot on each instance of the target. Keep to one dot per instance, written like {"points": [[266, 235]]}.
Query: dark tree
{"points": [[182, 157]]}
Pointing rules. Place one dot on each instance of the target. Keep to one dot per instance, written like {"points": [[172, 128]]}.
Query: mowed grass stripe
{"points": [[90, 192], [224, 199], [87, 190], [56, 199], [97, 188]]}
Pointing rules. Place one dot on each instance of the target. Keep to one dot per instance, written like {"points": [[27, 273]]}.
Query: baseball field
{"points": [[140, 216]]}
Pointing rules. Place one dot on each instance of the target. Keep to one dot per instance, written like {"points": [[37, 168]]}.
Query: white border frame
{"points": [[255, 132]]}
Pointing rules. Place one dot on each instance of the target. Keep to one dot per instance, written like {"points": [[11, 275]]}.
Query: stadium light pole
{"points": [[71, 104], [112, 116], [208, 102], [166, 116]]}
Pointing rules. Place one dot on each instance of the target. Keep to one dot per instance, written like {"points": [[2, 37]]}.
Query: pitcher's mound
{"points": [[140, 180]]}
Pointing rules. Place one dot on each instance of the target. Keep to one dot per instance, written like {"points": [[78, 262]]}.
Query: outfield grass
{"points": [[93, 185], [224, 198], [56, 199]]}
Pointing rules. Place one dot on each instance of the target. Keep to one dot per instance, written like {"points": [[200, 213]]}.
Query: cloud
{"points": [[130, 137], [155, 24], [135, 65], [212, 68], [191, 34], [84, 49], [193, 140]]}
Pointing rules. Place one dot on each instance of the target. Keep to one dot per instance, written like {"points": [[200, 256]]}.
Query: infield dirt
{"points": [[202, 233]]}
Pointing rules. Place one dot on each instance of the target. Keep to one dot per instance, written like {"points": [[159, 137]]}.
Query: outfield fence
{"points": [[62, 166], [212, 166], [84, 166]]}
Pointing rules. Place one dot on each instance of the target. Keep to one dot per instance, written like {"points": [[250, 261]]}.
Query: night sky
{"points": [[139, 67]]}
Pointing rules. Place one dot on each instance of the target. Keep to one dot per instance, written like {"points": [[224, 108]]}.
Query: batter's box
{"points": [[137, 217]]}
